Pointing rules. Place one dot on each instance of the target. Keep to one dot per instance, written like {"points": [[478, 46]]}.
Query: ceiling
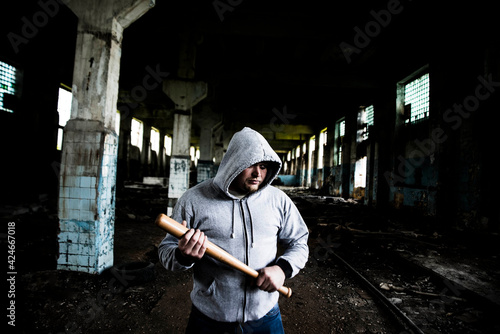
{"points": [[279, 66], [263, 59]]}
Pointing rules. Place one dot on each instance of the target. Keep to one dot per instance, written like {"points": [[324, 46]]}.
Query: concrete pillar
{"points": [[180, 161], [219, 147], [161, 155], [185, 94], [304, 164], [205, 168], [89, 157], [145, 150], [207, 122]]}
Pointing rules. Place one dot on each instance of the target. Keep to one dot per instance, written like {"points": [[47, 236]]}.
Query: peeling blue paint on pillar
{"points": [[87, 197], [106, 203]]}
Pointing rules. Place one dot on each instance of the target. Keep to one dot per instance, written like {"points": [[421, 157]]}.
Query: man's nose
{"points": [[255, 171]]}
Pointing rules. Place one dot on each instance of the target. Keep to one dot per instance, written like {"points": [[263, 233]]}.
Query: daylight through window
{"points": [[136, 133], [64, 111], [416, 100], [7, 83]]}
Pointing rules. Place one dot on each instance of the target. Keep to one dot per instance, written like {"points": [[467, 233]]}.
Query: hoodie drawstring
{"points": [[232, 228], [252, 241], [251, 225]]}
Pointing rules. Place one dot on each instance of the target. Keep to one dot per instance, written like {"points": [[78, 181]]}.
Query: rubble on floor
{"points": [[326, 299]]}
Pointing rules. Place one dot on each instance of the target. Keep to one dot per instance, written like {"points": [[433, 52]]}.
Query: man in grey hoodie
{"points": [[241, 212]]}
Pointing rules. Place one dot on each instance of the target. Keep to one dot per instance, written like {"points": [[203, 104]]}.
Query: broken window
{"points": [[416, 99], [7, 84], [136, 133], [64, 110]]}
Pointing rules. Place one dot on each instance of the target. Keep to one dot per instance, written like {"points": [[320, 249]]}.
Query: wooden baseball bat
{"points": [[178, 230]]}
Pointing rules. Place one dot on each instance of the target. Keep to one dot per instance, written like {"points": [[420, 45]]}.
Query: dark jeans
{"points": [[268, 324]]}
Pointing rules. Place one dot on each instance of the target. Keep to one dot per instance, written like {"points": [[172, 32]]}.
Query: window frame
{"points": [[339, 139], [140, 135], [16, 84], [403, 113]]}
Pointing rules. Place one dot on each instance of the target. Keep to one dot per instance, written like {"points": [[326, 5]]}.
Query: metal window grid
{"points": [[368, 120], [7, 82], [417, 97], [369, 115]]}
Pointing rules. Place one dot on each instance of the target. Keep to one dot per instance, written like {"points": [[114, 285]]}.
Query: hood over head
{"points": [[246, 148]]}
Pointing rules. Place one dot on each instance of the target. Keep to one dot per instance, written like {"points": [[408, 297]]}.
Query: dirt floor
{"points": [[325, 298]]}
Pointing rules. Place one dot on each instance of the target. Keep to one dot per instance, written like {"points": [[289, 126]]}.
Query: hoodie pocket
{"points": [[207, 292]]}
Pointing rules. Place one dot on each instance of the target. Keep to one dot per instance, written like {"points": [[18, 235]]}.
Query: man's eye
{"points": [[263, 166]]}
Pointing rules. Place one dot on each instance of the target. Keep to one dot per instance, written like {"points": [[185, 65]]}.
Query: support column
{"points": [[205, 163], [185, 94], [89, 157], [145, 150], [207, 121], [161, 155], [180, 161]]}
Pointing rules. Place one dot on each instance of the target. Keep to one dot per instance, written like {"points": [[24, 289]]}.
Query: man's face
{"points": [[250, 179]]}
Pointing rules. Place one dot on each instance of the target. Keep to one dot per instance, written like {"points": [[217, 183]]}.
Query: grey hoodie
{"points": [[249, 229]]}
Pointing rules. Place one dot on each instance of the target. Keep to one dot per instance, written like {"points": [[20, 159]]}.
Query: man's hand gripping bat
{"points": [[178, 230]]}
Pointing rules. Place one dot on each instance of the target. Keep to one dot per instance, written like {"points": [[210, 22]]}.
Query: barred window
{"points": [[369, 115], [416, 99], [7, 83], [368, 120], [340, 133]]}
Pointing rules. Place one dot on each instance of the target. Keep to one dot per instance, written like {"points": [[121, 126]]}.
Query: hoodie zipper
{"points": [[246, 255]]}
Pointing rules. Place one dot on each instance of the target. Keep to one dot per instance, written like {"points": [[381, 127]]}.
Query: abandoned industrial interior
{"points": [[384, 113]]}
